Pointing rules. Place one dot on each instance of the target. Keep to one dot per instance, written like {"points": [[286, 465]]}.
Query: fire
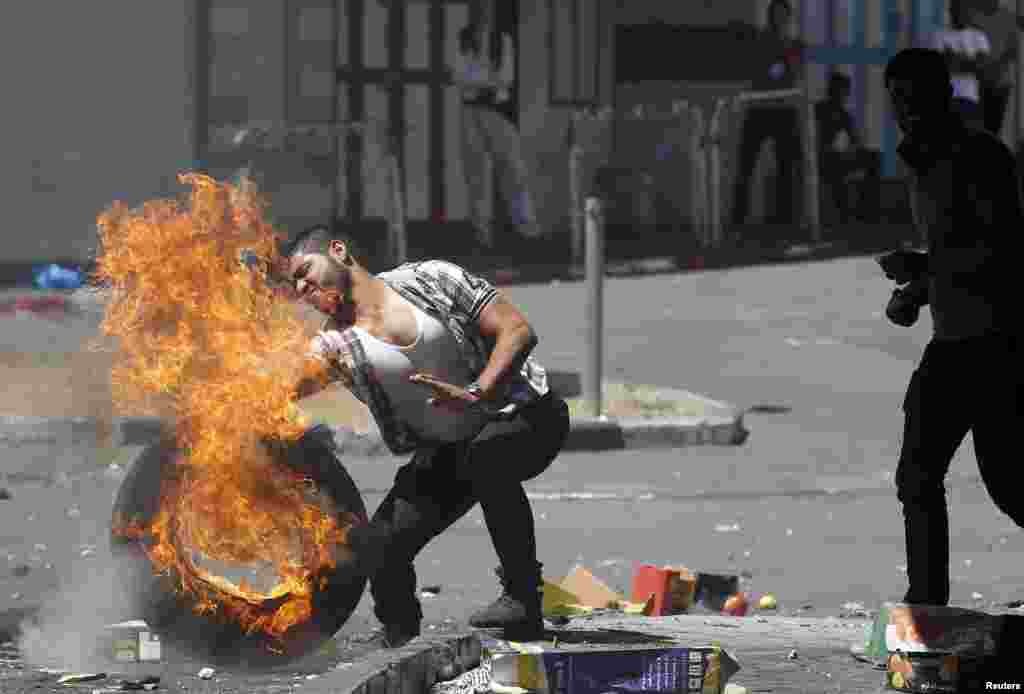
{"points": [[204, 341]]}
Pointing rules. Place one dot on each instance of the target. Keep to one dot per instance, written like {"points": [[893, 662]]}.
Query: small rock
{"points": [[206, 673], [792, 655]]}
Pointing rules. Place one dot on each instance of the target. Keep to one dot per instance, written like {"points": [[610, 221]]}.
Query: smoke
{"points": [[68, 631]]}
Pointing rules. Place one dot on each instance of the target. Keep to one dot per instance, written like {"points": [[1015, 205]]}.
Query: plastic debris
{"points": [[977, 596], [83, 677], [727, 528], [793, 655], [54, 276], [206, 673], [73, 512]]}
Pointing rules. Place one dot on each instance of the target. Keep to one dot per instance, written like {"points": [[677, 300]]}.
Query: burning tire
{"points": [[233, 613]]}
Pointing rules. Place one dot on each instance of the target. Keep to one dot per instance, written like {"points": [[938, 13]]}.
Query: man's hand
{"points": [[446, 395], [904, 266]]}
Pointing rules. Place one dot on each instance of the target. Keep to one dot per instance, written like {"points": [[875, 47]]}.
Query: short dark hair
{"points": [[838, 78], [779, 3], [317, 239], [919, 64]]}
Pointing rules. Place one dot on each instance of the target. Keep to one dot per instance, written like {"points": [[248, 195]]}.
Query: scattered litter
{"points": [[854, 609], [431, 590], [15, 596], [746, 554], [40, 547], [793, 342], [1015, 604], [312, 677], [78, 678], [789, 532], [793, 655], [977, 596], [146, 683], [344, 666], [73, 512], [87, 552], [206, 673], [736, 605], [968, 562], [54, 276], [727, 528]]}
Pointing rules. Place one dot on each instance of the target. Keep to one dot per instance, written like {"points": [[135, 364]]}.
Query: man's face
{"points": [[920, 107], [322, 280]]}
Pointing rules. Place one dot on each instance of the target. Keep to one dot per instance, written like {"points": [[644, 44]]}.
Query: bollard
{"points": [[397, 240], [812, 186], [714, 175], [595, 304], [575, 194]]}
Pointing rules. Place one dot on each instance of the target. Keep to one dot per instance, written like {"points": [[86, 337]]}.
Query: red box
{"points": [[673, 588]]}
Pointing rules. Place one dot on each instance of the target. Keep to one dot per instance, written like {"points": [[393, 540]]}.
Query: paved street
{"points": [[811, 489]]}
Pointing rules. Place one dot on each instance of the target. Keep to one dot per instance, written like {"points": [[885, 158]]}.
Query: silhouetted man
{"points": [[964, 196], [842, 157]]}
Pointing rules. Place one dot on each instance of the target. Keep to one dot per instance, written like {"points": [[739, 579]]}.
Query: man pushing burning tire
{"points": [[443, 362]]}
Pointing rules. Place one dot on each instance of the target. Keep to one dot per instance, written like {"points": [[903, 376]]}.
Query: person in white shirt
{"points": [[967, 51], [485, 70]]}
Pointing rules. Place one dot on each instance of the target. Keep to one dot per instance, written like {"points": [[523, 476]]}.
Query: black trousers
{"points": [[994, 101], [836, 170], [782, 125], [438, 487], [959, 386]]}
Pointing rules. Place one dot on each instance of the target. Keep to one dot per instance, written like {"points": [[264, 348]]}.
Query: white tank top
{"points": [[435, 352]]}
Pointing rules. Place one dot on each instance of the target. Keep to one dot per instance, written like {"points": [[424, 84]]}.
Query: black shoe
{"points": [[517, 611], [396, 635]]}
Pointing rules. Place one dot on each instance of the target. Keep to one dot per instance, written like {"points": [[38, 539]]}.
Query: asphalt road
{"points": [[810, 491]]}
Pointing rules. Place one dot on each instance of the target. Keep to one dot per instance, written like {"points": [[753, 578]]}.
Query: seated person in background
{"points": [[845, 165]]}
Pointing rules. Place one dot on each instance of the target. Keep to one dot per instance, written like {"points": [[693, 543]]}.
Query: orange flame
{"points": [[204, 341]]}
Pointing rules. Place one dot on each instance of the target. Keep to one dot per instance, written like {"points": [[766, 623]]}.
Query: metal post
{"points": [[575, 192], [714, 144], [396, 227], [698, 175], [595, 304], [812, 186]]}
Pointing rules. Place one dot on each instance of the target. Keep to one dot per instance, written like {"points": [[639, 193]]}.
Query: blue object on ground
{"points": [[54, 276]]}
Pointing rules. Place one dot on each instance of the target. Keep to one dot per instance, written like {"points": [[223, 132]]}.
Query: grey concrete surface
{"points": [[808, 338]]}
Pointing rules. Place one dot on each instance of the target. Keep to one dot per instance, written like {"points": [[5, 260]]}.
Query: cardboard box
{"points": [[672, 588], [935, 629], [546, 669], [131, 642]]}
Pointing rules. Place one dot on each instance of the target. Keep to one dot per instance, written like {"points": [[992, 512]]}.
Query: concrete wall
{"points": [[97, 106]]}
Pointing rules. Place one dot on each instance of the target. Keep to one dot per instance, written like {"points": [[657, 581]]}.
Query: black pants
{"points": [[837, 168], [782, 125], [440, 486], [994, 101], [966, 385]]}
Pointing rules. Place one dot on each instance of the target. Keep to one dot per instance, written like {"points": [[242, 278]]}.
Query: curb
{"points": [[412, 669], [585, 433]]}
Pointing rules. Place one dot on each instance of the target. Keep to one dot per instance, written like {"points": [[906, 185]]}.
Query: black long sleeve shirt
{"points": [[965, 197]]}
